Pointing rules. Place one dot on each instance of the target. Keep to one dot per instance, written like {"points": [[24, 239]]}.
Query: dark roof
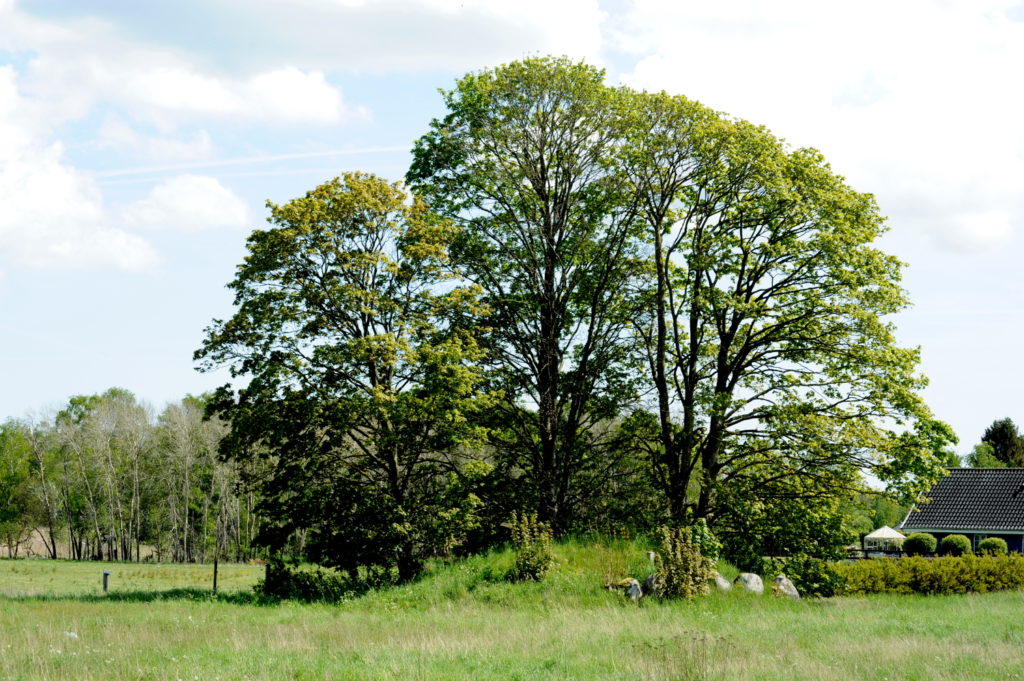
{"points": [[972, 499]]}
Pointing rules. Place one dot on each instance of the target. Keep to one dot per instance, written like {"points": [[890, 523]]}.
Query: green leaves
{"points": [[360, 387], [591, 253], [765, 315], [525, 163]]}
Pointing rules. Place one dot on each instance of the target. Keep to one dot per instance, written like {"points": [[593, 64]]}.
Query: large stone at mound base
{"points": [[784, 587], [653, 584], [631, 588], [721, 583], [750, 583]]}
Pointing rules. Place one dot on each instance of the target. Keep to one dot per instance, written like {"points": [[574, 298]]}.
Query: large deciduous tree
{"points": [[524, 163], [761, 307], [775, 372], [358, 389]]}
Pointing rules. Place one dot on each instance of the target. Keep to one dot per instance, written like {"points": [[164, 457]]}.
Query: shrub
{"points": [[531, 541], [282, 581], [683, 571], [955, 545], [706, 542], [919, 544], [950, 575], [811, 576], [992, 546]]}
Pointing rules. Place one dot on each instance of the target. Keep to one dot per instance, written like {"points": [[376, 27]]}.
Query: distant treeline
{"points": [[106, 479]]}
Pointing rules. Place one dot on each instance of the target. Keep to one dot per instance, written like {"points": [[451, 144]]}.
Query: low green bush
{"points": [[531, 541], [289, 582], [707, 543], [949, 575], [683, 571], [992, 546], [811, 576], [955, 545], [919, 544]]}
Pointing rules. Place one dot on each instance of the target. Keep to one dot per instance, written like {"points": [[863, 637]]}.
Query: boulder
{"points": [[750, 583], [632, 589], [653, 584], [721, 583], [784, 587]]}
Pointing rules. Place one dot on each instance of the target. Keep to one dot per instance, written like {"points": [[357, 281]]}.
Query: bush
{"points": [[283, 582], [683, 571], [955, 545], [919, 544], [531, 541], [706, 542], [992, 546], [950, 575], [811, 576]]}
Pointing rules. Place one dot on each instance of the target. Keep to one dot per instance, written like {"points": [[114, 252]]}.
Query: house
{"points": [[976, 502]]}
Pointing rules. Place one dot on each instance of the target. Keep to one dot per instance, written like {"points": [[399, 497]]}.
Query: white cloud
{"points": [[285, 95], [52, 214], [290, 94], [76, 66], [118, 135], [916, 101], [981, 231], [410, 35], [189, 203], [179, 89]]}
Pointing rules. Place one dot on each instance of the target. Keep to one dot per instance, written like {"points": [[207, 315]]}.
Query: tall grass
{"points": [[464, 621]]}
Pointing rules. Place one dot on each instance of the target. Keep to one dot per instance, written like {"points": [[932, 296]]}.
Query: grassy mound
{"points": [[462, 621]]}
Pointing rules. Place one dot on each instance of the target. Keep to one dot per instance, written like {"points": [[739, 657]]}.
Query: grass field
{"points": [[67, 578], [462, 622]]}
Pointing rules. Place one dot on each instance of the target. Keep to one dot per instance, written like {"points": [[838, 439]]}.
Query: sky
{"points": [[139, 143]]}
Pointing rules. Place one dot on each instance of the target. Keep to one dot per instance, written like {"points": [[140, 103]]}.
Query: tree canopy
{"points": [[102, 478], [600, 220], [764, 319], [359, 391], [598, 304], [521, 162], [1005, 443]]}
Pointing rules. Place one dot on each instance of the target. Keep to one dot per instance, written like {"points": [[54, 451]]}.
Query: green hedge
{"points": [[955, 545], [290, 582], [992, 546], [919, 544], [951, 575], [811, 576]]}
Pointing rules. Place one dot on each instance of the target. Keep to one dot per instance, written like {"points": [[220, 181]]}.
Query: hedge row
{"points": [[949, 575], [284, 581]]}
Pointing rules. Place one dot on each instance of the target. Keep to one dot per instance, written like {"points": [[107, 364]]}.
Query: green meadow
{"points": [[61, 578], [462, 621]]}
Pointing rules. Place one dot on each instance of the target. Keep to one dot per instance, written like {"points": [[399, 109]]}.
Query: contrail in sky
{"points": [[145, 170]]}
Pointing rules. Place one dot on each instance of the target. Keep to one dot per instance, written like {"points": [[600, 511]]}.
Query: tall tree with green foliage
{"points": [[764, 321], [201, 509], [523, 162], [1006, 442], [18, 505], [359, 389], [100, 479], [983, 456], [107, 452]]}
